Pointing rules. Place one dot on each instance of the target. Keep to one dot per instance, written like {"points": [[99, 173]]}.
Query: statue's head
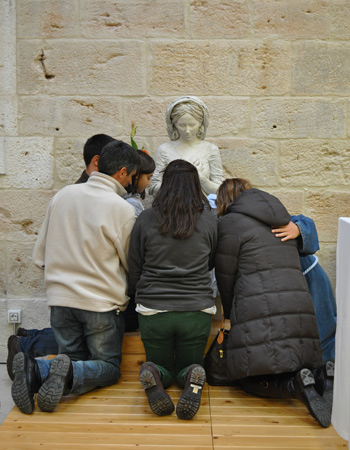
{"points": [[186, 105]]}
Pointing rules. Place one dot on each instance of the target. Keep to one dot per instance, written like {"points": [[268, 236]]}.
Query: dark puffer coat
{"points": [[263, 291]]}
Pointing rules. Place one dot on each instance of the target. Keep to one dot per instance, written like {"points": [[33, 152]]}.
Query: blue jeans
{"points": [[39, 343], [93, 341], [43, 342], [325, 306]]}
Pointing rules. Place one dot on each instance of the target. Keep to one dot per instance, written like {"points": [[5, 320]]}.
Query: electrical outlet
{"points": [[14, 316]]}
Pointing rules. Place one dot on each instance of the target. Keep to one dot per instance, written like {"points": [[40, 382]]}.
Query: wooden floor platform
{"points": [[118, 417]]}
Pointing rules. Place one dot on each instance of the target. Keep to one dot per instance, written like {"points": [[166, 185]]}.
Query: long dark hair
{"points": [[179, 199], [228, 191], [147, 166]]}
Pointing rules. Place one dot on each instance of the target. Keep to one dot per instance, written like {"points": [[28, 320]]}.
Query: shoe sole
{"points": [[316, 404], [19, 389], [159, 401], [328, 392], [10, 356], [190, 401], [51, 391]]}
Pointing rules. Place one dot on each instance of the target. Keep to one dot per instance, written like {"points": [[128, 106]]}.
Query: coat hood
{"points": [[261, 206]]}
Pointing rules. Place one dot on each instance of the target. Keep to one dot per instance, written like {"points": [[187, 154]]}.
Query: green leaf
{"points": [[133, 143]]}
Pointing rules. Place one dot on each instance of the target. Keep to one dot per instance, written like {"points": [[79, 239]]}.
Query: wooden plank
{"points": [[100, 446], [273, 430], [70, 439], [272, 442], [132, 362], [175, 427]]}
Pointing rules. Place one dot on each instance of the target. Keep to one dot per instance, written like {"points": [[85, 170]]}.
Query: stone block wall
{"points": [[274, 75]]}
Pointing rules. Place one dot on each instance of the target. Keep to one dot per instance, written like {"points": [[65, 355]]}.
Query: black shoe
{"points": [[26, 383], [159, 401], [302, 387], [22, 332], [13, 348], [190, 400], [324, 378], [61, 374]]}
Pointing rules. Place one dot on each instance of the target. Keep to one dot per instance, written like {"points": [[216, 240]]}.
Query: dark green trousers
{"points": [[174, 341]]}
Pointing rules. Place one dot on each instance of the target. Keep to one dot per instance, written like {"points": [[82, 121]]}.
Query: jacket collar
{"points": [[101, 178]]}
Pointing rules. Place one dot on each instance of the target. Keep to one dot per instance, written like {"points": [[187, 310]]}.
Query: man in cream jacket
{"points": [[82, 247]]}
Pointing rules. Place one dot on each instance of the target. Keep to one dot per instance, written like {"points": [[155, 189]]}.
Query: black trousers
{"points": [[270, 386]]}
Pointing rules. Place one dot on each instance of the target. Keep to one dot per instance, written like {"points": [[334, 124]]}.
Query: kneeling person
{"points": [[82, 246]]}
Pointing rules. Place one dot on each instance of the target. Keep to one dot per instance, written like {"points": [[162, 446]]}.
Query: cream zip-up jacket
{"points": [[83, 245]]}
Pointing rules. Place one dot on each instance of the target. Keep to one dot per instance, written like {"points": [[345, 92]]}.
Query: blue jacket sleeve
{"points": [[308, 240]]}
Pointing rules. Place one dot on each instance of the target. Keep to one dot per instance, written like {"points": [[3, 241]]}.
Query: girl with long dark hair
{"points": [[172, 249]]}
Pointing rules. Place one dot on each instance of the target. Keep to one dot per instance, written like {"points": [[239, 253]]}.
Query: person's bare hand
{"points": [[286, 232]]}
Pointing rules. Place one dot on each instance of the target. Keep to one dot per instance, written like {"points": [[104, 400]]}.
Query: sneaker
{"points": [[159, 401], [26, 383], [13, 348], [324, 378], [61, 374], [189, 402], [303, 387]]}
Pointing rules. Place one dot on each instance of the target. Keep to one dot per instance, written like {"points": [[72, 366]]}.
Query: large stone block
{"points": [[340, 16], [219, 68], [293, 19], [24, 278], [216, 19], [149, 116], [3, 268], [259, 68], [80, 67], [8, 116], [47, 19], [69, 159], [189, 68], [2, 156], [315, 162], [227, 115], [325, 208], [22, 213], [250, 159], [7, 48], [327, 258], [293, 200], [298, 118], [29, 163], [69, 116], [132, 19], [321, 68]]}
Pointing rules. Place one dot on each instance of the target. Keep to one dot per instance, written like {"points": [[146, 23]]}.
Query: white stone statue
{"points": [[187, 123]]}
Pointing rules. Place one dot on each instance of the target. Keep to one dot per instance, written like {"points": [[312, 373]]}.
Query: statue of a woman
{"points": [[187, 123]]}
